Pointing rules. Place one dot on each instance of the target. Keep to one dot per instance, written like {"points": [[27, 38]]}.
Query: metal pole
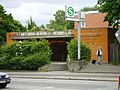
{"points": [[79, 27]]}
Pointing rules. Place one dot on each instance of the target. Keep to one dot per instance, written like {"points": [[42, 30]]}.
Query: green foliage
{"points": [[25, 55], [42, 26], [95, 8], [85, 51], [8, 24], [31, 24], [36, 60], [60, 23], [32, 27], [73, 50], [112, 10]]}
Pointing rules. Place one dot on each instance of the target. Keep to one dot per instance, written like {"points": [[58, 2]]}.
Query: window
{"points": [[83, 24]]}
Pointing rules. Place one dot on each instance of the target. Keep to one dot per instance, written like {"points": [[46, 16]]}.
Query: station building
{"points": [[97, 34], [58, 41], [94, 32]]}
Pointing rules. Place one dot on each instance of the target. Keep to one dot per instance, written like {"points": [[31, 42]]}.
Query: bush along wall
{"points": [[25, 55], [73, 50], [72, 62]]}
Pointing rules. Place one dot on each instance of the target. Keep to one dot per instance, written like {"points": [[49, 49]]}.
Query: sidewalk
{"points": [[103, 72], [104, 68]]}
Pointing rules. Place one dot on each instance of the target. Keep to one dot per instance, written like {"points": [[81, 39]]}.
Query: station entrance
{"points": [[59, 50]]}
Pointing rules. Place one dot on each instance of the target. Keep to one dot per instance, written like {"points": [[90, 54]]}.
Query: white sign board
{"points": [[117, 34], [82, 15], [72, 19], [70, 12]]}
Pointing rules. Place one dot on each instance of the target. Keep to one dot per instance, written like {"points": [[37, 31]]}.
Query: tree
{"points": [[112, 10], [60, 23], [18, 27], [42, 26], [8, 24], [2, 30], [95, 8], [31, 24]]}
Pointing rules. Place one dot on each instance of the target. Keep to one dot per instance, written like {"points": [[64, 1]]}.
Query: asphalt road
{"points": [[55, 84]]}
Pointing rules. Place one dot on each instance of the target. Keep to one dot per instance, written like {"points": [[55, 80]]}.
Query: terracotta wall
{"points": [[9, 37], [95, 38], [93, 20]]}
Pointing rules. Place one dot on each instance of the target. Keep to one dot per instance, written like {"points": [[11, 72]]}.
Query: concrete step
{"points": [[57, 66]]}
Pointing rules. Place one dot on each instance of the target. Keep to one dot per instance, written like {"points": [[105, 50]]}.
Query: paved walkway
{"points": [[105, 72], [104, 68]]}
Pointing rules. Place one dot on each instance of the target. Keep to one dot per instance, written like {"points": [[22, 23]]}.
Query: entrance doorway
{"points": [[59, 49]]}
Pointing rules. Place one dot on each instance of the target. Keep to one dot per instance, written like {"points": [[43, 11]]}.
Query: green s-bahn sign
{"points": [[70, 11]]}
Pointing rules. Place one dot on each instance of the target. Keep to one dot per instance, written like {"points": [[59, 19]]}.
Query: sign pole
{"points": [[79, 27], [69, 13]]}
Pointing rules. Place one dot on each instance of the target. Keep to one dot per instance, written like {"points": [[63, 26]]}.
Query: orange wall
{"points": [[93, 20], [95, 38], [9, 38], [76, 23]]}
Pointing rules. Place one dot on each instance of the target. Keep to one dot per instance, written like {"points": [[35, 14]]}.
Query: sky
{"points": [[41, 11]]}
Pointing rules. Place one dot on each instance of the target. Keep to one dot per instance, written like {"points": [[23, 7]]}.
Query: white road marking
{"points": [[44, 88]]}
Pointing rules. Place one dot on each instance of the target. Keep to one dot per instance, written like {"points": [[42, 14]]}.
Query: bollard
{"points": [[119, 83]]}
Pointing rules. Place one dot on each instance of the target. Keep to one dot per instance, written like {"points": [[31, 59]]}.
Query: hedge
{"points": [[25, 55], [73, 50]]}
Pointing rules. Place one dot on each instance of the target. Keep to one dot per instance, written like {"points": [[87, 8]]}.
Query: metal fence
{"points": [[115, 53]]}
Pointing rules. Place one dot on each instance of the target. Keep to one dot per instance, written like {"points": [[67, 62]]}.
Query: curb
{"points": [[67, 78]]}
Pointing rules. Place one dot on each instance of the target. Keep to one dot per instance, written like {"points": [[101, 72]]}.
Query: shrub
{"points": [[25, 55], [15, 63], [34, 61], [73, 50]]}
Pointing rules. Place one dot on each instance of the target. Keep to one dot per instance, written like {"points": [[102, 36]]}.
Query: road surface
{"points": [[55, 84]]}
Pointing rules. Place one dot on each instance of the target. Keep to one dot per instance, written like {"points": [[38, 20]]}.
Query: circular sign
{"points": [[70, 11]]}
